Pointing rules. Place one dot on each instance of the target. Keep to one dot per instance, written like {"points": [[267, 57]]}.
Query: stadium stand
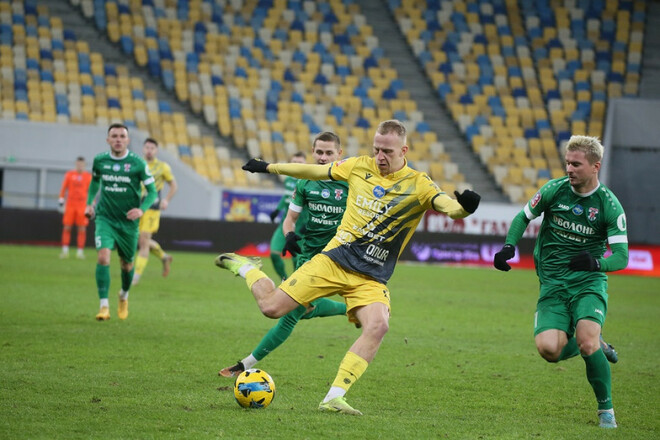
{"points": [[49, 75], [272, 74], [519, 77]]}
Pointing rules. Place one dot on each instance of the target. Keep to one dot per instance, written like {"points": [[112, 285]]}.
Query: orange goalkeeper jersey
{"points": [[75, 186]]}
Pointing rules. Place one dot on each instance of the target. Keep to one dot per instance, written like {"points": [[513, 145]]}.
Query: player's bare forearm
{"points": [[289, 223]]}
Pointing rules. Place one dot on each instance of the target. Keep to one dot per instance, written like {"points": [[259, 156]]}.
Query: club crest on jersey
{"points": [[127, 167], [535, 200], [578, 209], [325, 193], [593, 212], [338, 194], [116, 167], [379, 191]]}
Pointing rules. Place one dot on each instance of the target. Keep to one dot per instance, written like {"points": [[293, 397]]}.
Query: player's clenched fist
{"points": [[256, 166]]}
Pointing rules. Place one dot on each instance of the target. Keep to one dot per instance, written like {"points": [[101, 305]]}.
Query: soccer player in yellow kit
{"points": [[386, 201], [150, 221]]}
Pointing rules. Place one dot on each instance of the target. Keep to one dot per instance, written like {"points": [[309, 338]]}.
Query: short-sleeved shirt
{"points": [[382, 213], [120, 180], [162, 172], [75, 186], [324, 203], [573, 223]]}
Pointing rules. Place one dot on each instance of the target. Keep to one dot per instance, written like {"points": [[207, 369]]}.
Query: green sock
{"points": [[279, 333], [126, 279], [102, 280], [600, 378], [325, 307], [570, 349], [278, 264]]}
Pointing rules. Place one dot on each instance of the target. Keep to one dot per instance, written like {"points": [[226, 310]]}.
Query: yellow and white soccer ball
{"points": [[254, 388]]}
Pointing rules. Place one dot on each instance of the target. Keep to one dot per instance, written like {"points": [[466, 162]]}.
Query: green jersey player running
{"points": [[580, 217], [277, 241], [119, 174], [324, 203]]}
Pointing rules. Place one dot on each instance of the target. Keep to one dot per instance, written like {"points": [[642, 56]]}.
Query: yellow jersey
{"points": [[162, 172], [382, 213]]}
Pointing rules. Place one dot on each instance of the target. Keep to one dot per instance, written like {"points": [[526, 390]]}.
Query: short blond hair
{"points": [[589, 145], [393, 126]]}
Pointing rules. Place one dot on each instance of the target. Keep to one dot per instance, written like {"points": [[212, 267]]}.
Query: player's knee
{"points": [[377, 328], [550, 354], [588, 347], [272, 311]]}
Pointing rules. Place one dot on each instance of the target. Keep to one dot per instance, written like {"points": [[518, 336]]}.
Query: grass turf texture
{"points": [[458, 362]]}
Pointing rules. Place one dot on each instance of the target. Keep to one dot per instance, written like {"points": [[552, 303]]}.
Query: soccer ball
{"points": [[254, 388]]}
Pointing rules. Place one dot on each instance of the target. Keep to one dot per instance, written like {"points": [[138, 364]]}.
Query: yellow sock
{"points": [[253, 276], [155, 249], [350, 370], [140, 264]]}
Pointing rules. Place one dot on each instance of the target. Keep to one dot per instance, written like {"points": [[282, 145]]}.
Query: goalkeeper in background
{"points": [[580, 217], [150, 221], [324, 202], [277, 241], [73, 196]]}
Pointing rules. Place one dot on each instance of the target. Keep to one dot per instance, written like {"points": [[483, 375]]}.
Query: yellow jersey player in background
{"points": [[386, 201], [150, 221]]}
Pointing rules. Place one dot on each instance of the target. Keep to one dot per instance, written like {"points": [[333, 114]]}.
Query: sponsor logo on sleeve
{"points": [[535, 200]]}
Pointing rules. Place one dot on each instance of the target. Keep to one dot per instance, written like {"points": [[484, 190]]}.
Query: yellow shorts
{"points": [[150, 221], [321, 277]]}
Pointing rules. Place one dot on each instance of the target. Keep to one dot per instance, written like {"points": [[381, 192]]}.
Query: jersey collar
{"points": [[120, 158], [395, 175], [585, 194]]}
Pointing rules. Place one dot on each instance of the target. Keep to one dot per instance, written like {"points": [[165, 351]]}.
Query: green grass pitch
{"points": [[459, 361]]}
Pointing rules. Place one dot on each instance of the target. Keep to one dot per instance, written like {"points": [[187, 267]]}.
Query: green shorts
{"points": [[557, 309], [124, 237]]}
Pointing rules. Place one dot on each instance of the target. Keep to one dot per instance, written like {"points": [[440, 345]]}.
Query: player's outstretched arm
{"points": [[297, 170], [454, 208]]}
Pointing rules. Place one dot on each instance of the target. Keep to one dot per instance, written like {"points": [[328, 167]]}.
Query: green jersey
{"points": [[573, 223], [325, 203], [289, 187], [120, 180]]}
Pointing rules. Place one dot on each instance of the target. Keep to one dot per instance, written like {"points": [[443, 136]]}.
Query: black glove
{"points": [[584, 262], [506, 253], [256, 166], [291, 244], [273, 215], [469, 200]]}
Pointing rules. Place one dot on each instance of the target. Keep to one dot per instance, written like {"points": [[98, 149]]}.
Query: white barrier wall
{"points": [[35, 156]]}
